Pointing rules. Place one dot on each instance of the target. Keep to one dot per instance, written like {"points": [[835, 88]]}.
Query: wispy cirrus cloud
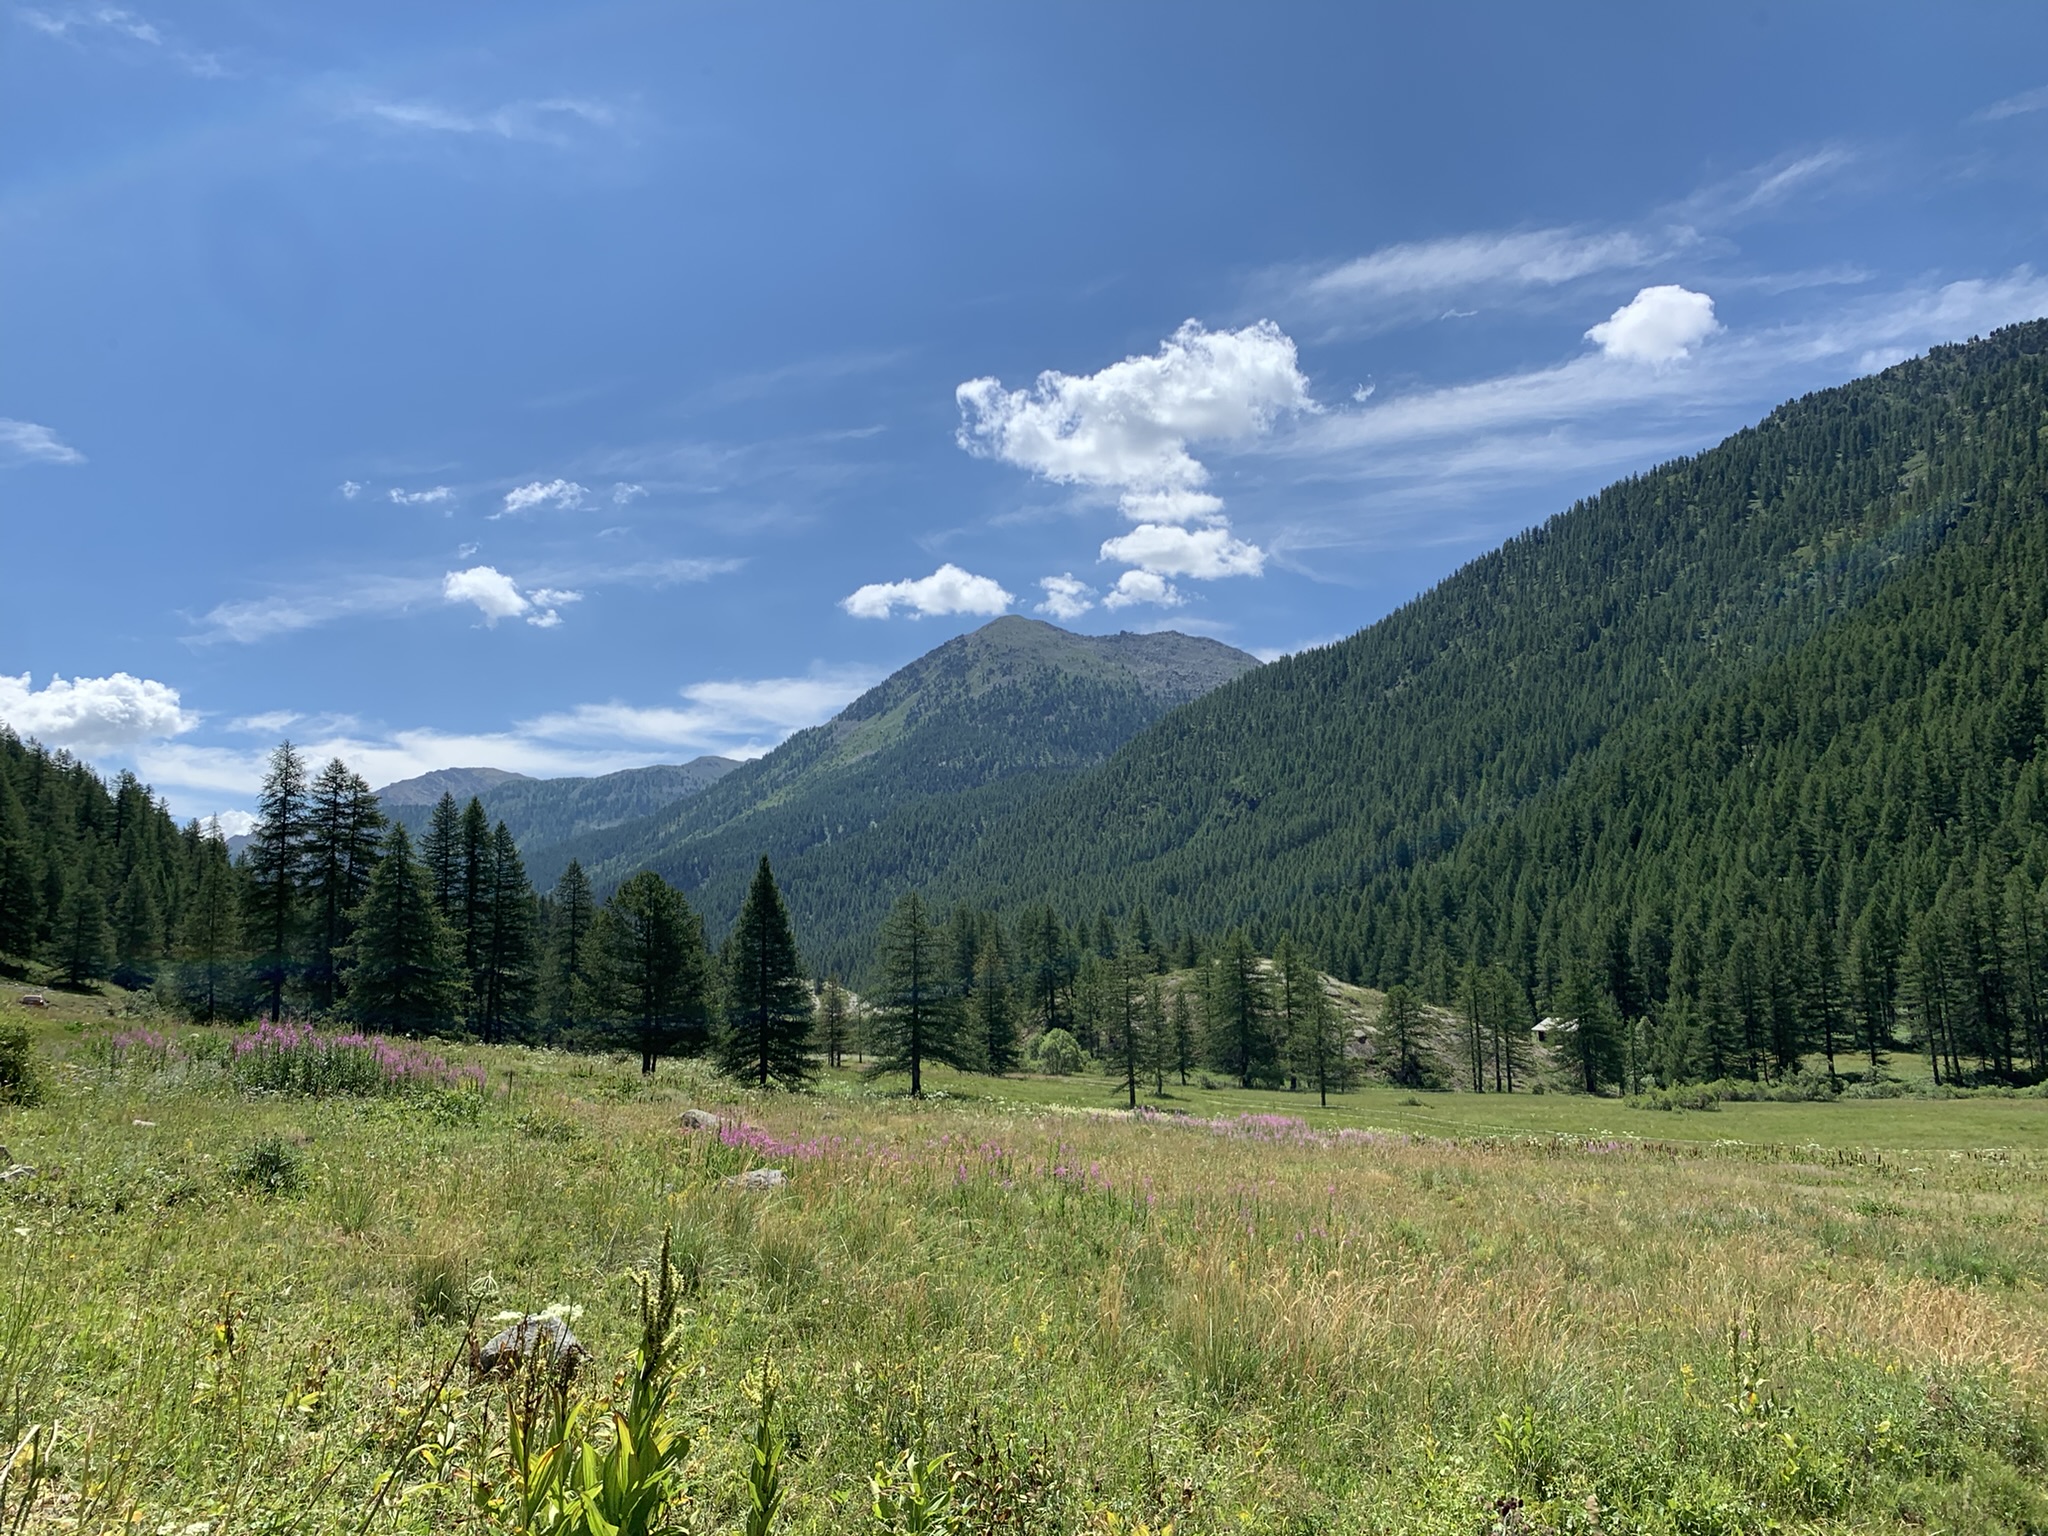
{"points": [[28, 442], [2020, 105], [556, 121], [117, 25]]}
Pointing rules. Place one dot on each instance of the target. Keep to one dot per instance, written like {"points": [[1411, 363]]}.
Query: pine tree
{"points": [[19, 907], [1584, 1005], [1401, 1033], [343, 823], [210, 938], [503, 998], [567, 983], [441, 852], [916, 1017], [277, 873], [656, 973], [767, 1003], [473, 896], [85, 942], [399, 962], [1318, 1038], [1240, 1013], [993, 1013], [1126, 1048], [1158, 1035], [1183, 1032], [833, 1022], [138, 930]]}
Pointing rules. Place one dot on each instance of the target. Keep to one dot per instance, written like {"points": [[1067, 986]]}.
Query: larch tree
{"points": [[441, 852], [473, 895], [834, 1021], [656, 973], [992, 1009], [1126, 1049], [400, 960], [767, 1027], [1401, 1035]]}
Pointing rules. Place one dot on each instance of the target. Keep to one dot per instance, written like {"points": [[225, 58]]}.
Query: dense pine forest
{"points": [[1740, 760], [1734, 771]]}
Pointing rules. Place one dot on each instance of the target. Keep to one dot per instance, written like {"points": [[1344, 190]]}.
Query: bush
{"points": [[1059, 1053], [21, 1081], [271, 1166]]}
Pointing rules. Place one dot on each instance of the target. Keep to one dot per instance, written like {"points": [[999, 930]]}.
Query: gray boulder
{"points": [[533, 1335], [18, 1171], [759, 1178], [700, 1120]]}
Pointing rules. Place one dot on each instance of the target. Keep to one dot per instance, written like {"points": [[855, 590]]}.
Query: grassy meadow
{"points": [[1235, 1312]]}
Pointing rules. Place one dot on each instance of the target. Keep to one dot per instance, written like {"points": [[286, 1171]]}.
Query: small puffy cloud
{"points": [[1659, 325], [1202, 553], [623, 493], [93, 714], [26, 442], [428, 498], [231, 823], [564, 494], [1130, 427], [1066, 597], [947, 590], [351, 489], [1147, 587], [497, 596]]}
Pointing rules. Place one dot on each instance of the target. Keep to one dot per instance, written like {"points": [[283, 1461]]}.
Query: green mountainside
{"points": [[1779, 700], [544, 811], [907, 776]]}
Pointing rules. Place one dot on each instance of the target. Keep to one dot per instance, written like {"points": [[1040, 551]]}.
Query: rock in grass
{"points": [[18, 1171], [535, 1334], [700, 1120], [759, 1178]]}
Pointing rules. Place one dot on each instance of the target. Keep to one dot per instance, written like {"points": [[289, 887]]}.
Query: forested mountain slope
{"points": [[1824, 632], [909, 774], [543, 811]]}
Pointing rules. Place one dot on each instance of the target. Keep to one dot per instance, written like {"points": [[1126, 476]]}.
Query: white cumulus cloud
{"points": [[497, 596], [947, 590], [351, 489], [27, 442], [1659, 325], [1130, 427], [1066, 596], [93, 714], [1202, 553], [428, 498], [1143, 587], [564, 494]]}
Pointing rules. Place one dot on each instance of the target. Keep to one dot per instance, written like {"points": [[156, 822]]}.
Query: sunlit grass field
{"points": [[1236, 1312]]}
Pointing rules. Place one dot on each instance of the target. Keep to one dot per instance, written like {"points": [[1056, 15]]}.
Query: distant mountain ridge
{"points": [[909, 774], [539, 812]]}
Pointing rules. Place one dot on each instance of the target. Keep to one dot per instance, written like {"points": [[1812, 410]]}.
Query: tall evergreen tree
{"points": [[1182, 1028], [916, 1017], [656, 972], [274, 911], [1240, 1013], [210, 937], [992, 1008], [343, 825], [503, 996], [18, 896], [1401, 1035], [85, 941], [1127, 1049], [767, 1003], [441, 852], [834, 1022], [138, 930], [399, 962], [476, 884], [568, 980]]}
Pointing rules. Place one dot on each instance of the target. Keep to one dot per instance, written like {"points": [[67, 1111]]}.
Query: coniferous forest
{"points": [[1736, 767]]}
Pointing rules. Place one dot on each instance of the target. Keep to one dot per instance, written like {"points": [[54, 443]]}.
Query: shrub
{"points": [[21, 1082], [291, 1058], [1059, 1053], [271, 1166]]}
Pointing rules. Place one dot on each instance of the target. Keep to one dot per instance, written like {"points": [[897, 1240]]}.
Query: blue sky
{"points": [[567, 388]]}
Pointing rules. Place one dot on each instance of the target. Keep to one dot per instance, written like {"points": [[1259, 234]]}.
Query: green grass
{"points": [[1770, 1317]]}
